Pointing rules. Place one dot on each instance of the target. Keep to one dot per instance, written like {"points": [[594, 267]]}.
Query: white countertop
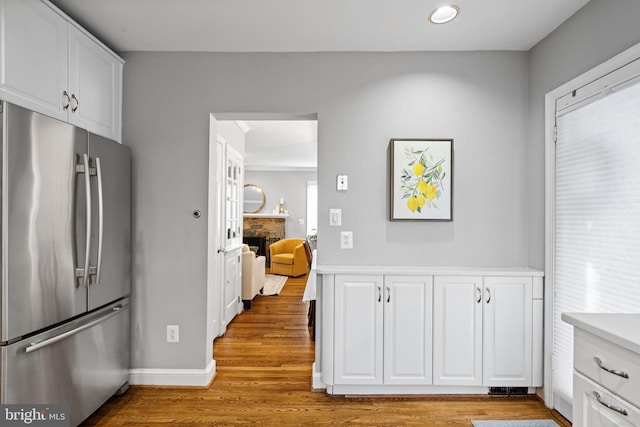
{"points": [[428, 270], [619, 328]]}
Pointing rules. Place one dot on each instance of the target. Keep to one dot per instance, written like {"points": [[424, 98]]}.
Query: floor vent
{"points": [[508, 391]]}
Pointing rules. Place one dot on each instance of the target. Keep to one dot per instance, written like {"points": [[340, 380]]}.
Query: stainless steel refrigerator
{"points": [[65, 264]]}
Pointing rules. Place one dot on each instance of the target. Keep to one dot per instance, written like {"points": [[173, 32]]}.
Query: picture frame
{"points": [[421, 179]]}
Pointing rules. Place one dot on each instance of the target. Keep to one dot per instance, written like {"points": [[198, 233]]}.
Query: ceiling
{"points": [[316, 25], [312, 26], [281, 144]]}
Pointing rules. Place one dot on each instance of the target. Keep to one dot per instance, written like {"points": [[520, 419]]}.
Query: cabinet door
{"points": [[358, 330], [95, 86], [507, 325], [408, 329], [33, 57], [594, 406], [457, 331]]}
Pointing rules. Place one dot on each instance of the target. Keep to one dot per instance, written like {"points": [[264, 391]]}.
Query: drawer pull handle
{"points": [[606, 405], [622, 374]]}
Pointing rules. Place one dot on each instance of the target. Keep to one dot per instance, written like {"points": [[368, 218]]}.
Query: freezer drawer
{"points": [[80, 364]]}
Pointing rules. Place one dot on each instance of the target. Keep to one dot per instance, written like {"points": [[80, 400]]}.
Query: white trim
{"points": [[244, 127], [428, 269], [267, 168], [386, 389], [316, 379], [551, 98], [174, 377]]}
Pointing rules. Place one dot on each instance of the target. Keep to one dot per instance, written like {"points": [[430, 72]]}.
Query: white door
{"points": [[218, 238], [457, 330], [507, 336], [408, 329], [215, 260], [233, 223], [358, 330], [33, 58], [231, 277]]}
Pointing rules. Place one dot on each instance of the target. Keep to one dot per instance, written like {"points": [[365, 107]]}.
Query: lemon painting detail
{"points": [[422, 180]]}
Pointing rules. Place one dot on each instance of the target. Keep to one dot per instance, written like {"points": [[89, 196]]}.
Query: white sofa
{"points": [[253, 273]]}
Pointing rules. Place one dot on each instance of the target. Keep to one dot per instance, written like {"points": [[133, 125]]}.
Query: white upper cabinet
{"points": [[33, 56], [49, 65], [95, 85]]}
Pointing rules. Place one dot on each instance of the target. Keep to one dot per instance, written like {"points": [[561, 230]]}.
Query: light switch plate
{"points": [[335, 217]]}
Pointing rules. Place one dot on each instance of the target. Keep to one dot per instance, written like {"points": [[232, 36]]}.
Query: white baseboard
{"points": [[174, 377], [316, 380]]}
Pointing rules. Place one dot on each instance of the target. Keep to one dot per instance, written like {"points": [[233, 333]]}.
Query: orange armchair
{"points": [[288, 257]]}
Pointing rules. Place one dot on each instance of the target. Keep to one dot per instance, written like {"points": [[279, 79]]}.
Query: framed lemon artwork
{"points": [[421, 179]]}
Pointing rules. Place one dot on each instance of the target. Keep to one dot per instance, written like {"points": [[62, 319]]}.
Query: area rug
{"points": [[512, 423], [273, 284]]}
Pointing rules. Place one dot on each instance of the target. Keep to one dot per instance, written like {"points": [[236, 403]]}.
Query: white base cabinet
{"points": [[431, 333], [483, 331], [383, 330], [595, 406], [457, 314], [408, 329], [507, 325], [50, 65], [358, 332]]}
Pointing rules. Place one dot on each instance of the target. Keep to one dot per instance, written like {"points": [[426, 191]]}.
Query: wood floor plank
{"points": [[264, 378]]}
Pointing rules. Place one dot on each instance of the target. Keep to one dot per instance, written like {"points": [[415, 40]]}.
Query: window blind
{"points": [[597, 216]]}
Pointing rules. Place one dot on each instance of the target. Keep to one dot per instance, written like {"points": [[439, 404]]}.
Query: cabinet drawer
{"points": [[594, 406], [588, 347]]}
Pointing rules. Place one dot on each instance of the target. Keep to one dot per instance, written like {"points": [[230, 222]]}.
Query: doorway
{"points": [[279, 154]]}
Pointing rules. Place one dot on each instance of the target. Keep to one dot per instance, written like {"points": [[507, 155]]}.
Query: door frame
{"points": [[551, 98]]}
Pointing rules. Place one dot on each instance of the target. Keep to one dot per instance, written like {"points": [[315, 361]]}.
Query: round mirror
{"points": [[253, 198]]}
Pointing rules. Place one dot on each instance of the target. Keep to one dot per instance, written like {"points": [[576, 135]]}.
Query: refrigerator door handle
{"points": [[84, 168], [100, 220], [38, 345]]}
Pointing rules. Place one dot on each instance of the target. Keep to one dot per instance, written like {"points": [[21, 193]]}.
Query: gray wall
{"points": [[362, 100], [292, 187], [491, 103], [599, 31]]}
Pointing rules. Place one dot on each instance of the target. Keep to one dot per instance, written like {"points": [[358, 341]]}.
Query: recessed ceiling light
{"points": [[444, 14]]}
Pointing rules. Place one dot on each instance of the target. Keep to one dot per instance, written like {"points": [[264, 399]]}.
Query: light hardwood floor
{"points": [[264, 378]]}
